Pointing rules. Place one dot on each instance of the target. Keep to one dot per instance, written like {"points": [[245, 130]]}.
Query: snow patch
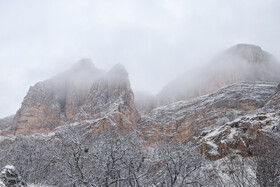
{"points": [[232, 133], [214, 149], [10, 167]]}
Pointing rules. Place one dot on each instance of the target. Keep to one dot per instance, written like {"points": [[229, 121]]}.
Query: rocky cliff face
{"points": [[233, 119], [94, 100], [239, 135], [242, 62], [81, 93], [110, 103], [244, 135], [40, 111], [184, 119]]}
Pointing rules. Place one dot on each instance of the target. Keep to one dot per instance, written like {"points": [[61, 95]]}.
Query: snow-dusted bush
{"points": [[222, 121], [114, 158], [232, 115]]}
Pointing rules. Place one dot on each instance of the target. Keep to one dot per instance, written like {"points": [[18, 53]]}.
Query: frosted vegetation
{"points": [[68, 158]]}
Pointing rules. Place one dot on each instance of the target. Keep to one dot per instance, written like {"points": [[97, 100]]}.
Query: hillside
{"points": [[239, 63], [184, 119]]}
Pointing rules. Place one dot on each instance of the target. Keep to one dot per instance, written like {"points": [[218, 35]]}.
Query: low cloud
{"points": [[155, 40]]}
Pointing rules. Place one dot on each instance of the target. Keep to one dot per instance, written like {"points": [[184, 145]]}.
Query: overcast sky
{"points": [[156, 40]]}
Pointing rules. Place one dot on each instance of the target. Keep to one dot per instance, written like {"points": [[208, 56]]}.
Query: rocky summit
{"points": [[81, 93], [239, 63]]}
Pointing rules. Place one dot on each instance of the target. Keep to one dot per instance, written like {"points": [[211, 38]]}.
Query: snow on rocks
{"points": [[218, 141], [10, 177], [184, 119]]}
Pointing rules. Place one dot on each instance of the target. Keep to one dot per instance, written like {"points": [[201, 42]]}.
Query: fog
{"points": [[241, 63], [156, 40]]}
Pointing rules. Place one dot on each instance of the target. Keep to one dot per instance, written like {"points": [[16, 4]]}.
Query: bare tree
{"points": [[266, 151], [180, 165]]}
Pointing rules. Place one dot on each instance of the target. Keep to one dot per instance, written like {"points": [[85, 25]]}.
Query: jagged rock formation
{"points": [[81, 93], [110, 102], [240, 63], [9, 177], [184, 119]]}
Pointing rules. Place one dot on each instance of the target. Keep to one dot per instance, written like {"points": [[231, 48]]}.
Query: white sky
{"points": [[156, 40]]}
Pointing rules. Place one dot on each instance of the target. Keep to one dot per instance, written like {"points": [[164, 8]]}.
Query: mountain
{"points": [[182, 120], [237, 82], [81, 93], [82, 127], [239, 63]]}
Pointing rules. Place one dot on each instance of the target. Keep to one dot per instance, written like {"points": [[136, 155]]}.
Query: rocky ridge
{"points": [[184, 119], [81, 93], [239, 63]]}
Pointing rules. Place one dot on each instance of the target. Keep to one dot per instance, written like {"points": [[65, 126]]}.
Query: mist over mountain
{"points": [[119, 93], [81, 93], [84, 124], [242, 62]]}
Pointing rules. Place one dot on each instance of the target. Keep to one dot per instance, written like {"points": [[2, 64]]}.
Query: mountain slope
{"points": [[184, 119], [242, 62]]}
